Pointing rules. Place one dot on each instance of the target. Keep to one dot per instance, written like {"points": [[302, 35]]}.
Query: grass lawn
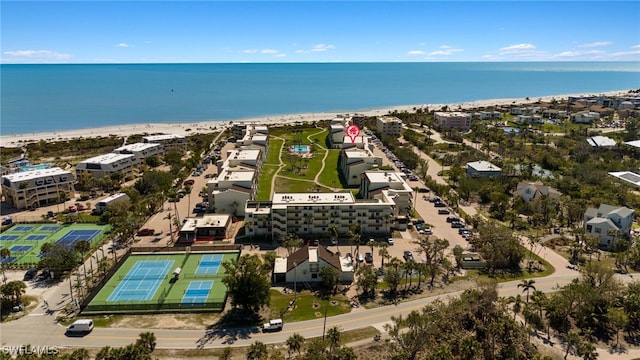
{"points": [[264, 182], [295, 186], [274, 152], [307, 306], [329, 175], [319, 138]]}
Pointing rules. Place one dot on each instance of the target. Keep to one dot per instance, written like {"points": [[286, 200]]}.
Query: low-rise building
{"points": [[229, 192], [249, 159], [482, 169], [585, 117], [141, 151], [608, 223], [304, 265], [452, 120], [389, 187], [104, 165], [601, 142], [170, 142], [35, 188], [207, 228], [354, 162], [530, 191], [389, 125]]}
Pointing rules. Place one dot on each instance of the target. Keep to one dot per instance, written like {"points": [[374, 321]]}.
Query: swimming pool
{"points": [[300, 148], [34, 167]]}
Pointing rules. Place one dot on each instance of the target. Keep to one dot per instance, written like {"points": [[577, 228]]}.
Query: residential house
{"points": [[608, 223], [304, 265], [535, 190]]}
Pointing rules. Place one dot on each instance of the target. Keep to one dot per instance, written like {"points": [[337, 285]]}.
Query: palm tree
{"points": [[333, 336], [294, 343], [355, 233], [257, 351], [383, 253], [169, 217], [147, 340], [5, 253], [527, 285], [517, 304]]}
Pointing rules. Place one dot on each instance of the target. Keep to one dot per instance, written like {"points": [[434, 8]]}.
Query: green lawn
{"points": [[329, 175], [264, 182], [307, 306], [294, 186], [274, 152]]}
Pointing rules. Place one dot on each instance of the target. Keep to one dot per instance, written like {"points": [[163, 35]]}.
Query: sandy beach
{"points": [[187, 128]]}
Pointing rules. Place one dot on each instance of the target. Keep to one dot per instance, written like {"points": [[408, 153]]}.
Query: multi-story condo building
{"points": [[141, 150], [451, 120], [242, 159], [240, 130], [354, 162], [388, 187], [229, 192], [107, 164], [317, 214], [337, 132], [389, 125], [35, 188], [171, 142], [608, 223]]}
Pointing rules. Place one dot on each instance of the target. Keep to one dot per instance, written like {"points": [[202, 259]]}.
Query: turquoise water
{"points": [[41, 98], [34, 167], [300, 148]]}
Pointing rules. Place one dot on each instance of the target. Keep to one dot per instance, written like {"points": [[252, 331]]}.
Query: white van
{"points": [[272, 325], [81, 325]]}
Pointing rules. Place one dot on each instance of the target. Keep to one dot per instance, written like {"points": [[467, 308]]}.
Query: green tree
{"points": [[366, 280], [247, 282], [257, 351], [13, 291], [82, 246], [527, 286], [60, 258], [330, 278], [333, 339], [294, 343], [147, 341]]}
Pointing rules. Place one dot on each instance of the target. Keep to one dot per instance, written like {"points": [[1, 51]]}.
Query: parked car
{"points": [[457, 225], [443, 212], [73, 209], [189, 182], [390, 241], [360, 258], [407, 255], [368, 258], [440, 204], [145, 232], [30, 274], [452, 219], [427, 231], [81, 207], [7, 221], [50, 214]]}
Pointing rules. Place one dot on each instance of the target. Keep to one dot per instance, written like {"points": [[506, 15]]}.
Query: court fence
{"points": [[160, 305], [183, 249]]}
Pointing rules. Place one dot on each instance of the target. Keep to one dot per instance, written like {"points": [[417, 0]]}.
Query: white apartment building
{"points": [[315, 214], [242, 159], [229, 192], [450, 120], [337, 131], [107, 164], [388, 187], [389, 125], [355, 162], [585, 117], [35, 188], [141, 150], [171, 142]]}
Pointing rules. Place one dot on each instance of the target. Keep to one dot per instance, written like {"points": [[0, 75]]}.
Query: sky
{"points": [[317, 31]]}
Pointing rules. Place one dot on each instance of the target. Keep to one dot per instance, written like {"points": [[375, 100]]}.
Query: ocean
{"points": [[44, 98]]}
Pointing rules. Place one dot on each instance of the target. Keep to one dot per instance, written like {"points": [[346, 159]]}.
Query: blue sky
{"points": [[308, 31]]}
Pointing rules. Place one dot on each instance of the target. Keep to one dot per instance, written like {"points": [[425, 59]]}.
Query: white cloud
{"points": [[518, 48], [596, 44], [569, 54], [445, 50], [123, 45], [268, 51], [34, 56], [636, 46], [273, 52], [250, 51], [322, 47], [416, 52], [281, 55]]}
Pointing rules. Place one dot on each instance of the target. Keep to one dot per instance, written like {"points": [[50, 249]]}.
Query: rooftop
{"points": [[313, 198], [107, 158], [36, 174]]}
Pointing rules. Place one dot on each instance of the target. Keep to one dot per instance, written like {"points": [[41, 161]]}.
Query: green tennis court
{"points": [[139, 286], [25, 241]]}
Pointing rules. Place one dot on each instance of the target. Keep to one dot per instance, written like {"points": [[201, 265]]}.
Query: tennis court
{"points": [[27, 240], [78, 235], [142, 281], [209, 264], [197, 292], [145, 283]]}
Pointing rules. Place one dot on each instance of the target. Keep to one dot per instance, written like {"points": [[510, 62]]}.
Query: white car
{"points": [[390, 241]]}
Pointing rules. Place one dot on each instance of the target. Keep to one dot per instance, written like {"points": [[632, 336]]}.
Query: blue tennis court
{"points": [[36, 237], [20, 248], [22, 228], [7, 259], [9, 237], [209, 264], [49, 228], [78, 235], [142, 281], [197, 292]]}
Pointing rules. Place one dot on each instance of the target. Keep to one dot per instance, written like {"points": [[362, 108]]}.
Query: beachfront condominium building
{"points": [[608, 223], [250, 159], [141, 150], [35, 188], [354, 162], [171, 142], [452, 120], [229, 192], [240, 130], [388, 187], [337, 132], [315, 215], [389, 125], [256, 141], [103, 166]]}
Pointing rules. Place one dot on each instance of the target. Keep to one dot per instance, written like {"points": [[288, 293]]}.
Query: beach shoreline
{"points": [[189, 128]]}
